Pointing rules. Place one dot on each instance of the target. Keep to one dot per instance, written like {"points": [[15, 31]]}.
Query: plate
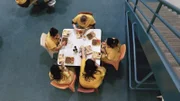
{"points": [[96, 42], [90, 35], [61, 58], [65, 39], [88, 49], [79, 34], [66, 33], [69, 60]]}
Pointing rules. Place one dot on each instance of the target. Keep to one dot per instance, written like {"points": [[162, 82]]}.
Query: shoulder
{"points": [[78, 16], [90, 16]]}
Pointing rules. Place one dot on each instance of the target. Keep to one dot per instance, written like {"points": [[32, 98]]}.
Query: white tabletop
{"points": [[73, 41]]}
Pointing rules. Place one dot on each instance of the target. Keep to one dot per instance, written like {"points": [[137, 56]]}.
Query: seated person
{"points": [[61, 75], [23, 3], [53, 40], [91, 75], [26, 3], [84, 21], [110, 49]]}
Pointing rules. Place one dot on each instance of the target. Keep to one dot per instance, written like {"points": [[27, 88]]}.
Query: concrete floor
{"points": [[24, 64]]}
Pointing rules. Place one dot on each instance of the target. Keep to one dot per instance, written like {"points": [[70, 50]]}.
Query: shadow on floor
{"points": [[38, 10], [90, 96], [112, 73], [64, 94], [42, 8], [62, 7], [45, 59]]}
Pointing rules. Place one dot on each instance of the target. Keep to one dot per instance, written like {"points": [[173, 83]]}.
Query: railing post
{"points": [[135, 5], [154, 17]]}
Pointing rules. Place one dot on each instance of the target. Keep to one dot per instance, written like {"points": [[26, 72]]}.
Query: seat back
{"points": [[85, 90], [43, 39], [55, 84], [42, 43], [121, 56], [86, 13], [123, 52]]}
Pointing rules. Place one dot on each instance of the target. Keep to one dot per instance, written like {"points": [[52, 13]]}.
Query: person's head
{"points": [[53, 32], [56, 72], [112, 42], [83, 18], [90, 69]]}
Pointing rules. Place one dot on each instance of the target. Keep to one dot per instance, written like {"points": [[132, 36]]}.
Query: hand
{"points": [[82, 48], [93, 59], [102, 50], [103, 43], [63, 43], [79, 30]]}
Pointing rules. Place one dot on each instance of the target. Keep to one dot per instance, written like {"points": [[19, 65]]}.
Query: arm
{"points": [[59, 46], [92, 26], [74, 26], [93, 22], [50, 76], [83, 53], [82, 61], [74, 22]]}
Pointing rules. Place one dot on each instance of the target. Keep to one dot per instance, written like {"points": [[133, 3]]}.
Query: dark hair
{"points": [[83, 18], [90, 69], [53, 31], [56, 72], [112, 42]]}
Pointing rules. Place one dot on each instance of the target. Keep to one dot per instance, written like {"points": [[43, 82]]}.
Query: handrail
{"points": [[134, 51], [162, 20], [129, 59], [174, 8], [155, 29], [157, 48]]}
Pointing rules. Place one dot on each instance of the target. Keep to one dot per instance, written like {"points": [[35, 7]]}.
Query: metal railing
{"points": [[170, 6], [156, 15], [150, 25], [139, 83]]}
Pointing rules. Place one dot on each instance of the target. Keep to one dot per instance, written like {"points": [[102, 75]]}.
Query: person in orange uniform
{"points": [[84, 20], [91, 74], [61, 75], [52, 41], [25, 3], [110, 49]]}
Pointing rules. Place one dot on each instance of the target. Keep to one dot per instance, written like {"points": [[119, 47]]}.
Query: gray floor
{"points": [[24, 64]]}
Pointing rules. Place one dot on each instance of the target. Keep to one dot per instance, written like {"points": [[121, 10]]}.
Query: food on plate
{"points": [[78, 36], [91, 35], [61, 58], [66, 33], [80, 33], [65, 39], [96, 42], [96, 55], [88, 49], [69, 60]]}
